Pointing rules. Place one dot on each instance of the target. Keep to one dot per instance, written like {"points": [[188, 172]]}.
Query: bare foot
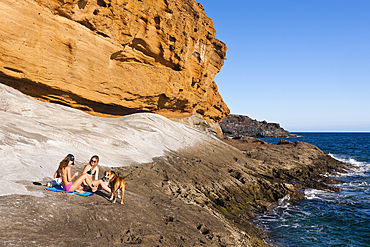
{"points": [[94, 189]]}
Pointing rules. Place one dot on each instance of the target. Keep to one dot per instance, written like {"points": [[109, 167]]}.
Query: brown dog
{"points": [[115, 183]]}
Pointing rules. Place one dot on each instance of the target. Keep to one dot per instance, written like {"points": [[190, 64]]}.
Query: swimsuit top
{"points": [[89, 172]]}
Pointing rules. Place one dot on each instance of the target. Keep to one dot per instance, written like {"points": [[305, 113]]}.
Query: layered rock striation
{"points": [[169, 202], [239, 125], [114, 57]]}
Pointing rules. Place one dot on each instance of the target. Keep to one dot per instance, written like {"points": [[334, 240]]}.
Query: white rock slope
{"points": [[35, 136]]}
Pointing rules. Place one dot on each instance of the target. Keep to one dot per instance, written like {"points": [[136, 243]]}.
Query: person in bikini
{"points": [[92, 170], [64, 171]]}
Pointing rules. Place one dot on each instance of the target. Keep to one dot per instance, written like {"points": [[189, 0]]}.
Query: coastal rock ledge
{"points": [[114, 57], [204, 195], [239, 125]]}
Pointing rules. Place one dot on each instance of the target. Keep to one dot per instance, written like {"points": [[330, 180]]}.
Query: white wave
{"points": [[358, 168], [363, 184], [35, 136], [312, 194], [284, 201], [356, 184]]}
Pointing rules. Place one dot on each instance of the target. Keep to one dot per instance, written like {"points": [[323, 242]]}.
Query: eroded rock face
{"points": [[113, 58]]}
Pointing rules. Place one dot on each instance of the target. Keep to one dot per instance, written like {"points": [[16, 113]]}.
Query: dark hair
{"points": [[64, 163], [72, 158]]}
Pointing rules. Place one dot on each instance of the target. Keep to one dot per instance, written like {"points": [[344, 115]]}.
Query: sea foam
{"points": [[358, 168]]}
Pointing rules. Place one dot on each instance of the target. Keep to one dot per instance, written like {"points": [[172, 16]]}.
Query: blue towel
{"points": [[60, 189]]}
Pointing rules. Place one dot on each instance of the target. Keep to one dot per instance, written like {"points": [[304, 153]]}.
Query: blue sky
{"points": [[303, 64]]}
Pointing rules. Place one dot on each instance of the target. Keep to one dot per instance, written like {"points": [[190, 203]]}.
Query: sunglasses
{"points": [[94, 161]]}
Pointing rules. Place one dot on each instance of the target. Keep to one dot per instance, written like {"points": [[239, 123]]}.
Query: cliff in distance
{"points": [[239, 125], [114, 57]]}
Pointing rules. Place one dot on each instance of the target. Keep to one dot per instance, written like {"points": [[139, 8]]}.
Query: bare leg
{"points": [[77, 184], [80, 189], [102, 184]]}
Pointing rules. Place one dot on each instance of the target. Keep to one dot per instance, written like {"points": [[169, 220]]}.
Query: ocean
{"points": [[327, 218]]}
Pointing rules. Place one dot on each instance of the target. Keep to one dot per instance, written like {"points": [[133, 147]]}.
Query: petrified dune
{"points": [[112, 58]]}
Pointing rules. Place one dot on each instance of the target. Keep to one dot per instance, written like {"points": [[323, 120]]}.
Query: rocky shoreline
{"points": [[114, 58], [239, 125], [204, 195]]}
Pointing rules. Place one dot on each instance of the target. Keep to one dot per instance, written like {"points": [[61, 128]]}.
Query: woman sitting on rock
{"points": [[92, 171], [64, 171]]}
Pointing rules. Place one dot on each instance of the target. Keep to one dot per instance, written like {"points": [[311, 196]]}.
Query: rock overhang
{"points": [[113, 58]]}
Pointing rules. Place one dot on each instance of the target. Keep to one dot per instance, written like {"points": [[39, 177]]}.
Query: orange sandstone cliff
{"points": [[114, 57]]}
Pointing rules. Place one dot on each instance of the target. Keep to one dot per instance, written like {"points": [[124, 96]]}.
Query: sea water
{"points": [[327, 218]]}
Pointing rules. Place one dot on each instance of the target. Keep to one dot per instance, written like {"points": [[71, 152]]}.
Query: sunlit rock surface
{"points": [[35, 136], [113, 58], [180, 181]]}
